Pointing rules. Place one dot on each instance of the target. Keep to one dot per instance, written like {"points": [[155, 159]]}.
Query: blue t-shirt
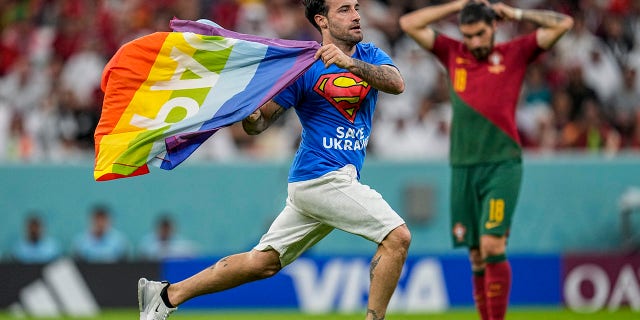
{"points": [[45, 250], [111, 247], [335, 109]]}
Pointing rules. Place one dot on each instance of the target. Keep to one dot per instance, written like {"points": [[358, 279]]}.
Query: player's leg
{"points": [[340, 200], [478, 282], [465, 214], [498, 209], [497, 275]]}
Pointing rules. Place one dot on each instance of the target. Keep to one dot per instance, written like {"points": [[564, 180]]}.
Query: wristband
{"points": [[517, 14]]}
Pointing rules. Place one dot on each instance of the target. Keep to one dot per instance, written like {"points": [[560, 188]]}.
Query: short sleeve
{"points": [[291, 95]]}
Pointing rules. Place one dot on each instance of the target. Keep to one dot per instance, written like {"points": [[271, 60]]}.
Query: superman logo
{"points": [[344, 91]]}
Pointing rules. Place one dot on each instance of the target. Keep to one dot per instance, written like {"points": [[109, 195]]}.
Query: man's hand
{"points": [[330, 54], [252, 118], [262, 118], [552, 25], [506, 12], [254, 123]]}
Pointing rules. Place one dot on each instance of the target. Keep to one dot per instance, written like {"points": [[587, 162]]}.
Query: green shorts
{"points": [[483, 200]]}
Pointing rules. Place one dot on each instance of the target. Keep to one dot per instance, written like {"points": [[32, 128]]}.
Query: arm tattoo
{"points": [[276, 114], [379, 77], [374, 314], [545, 18], [374, 264]]}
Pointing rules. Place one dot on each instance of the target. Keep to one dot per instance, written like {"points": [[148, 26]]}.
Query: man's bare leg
{"points": [[386, 267], [227, 273]]}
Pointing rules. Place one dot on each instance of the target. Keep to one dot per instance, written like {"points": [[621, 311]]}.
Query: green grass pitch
{"points": [[455, 314]]}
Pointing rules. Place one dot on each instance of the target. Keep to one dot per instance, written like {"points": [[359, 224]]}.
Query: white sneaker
{"points": [[149, 301]]}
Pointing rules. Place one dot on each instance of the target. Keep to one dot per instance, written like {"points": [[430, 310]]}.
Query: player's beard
{"points": [[482, 53]]}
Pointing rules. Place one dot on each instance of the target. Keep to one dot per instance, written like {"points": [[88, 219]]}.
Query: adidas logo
{"points": [[60, 291]]}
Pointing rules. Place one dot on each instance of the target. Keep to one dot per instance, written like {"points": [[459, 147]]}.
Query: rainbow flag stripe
{"points": [[168, 92]]}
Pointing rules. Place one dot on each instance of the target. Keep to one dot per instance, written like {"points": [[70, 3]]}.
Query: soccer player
{"points": [[485, 154], [334, 100]]}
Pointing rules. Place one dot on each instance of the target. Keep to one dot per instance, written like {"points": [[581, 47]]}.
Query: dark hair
{"points": [[313, 7], [165, 220], [100, 210], [474, 12], [34, 218]]}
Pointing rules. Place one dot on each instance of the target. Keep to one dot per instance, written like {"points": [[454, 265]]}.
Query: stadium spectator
{"points": [[421, 76], [486, 150], [254, 19], [561, 108], [226, 13], [534, 114], [578, 89], [424, 135], [632, 22], [625, 105], [36, 246], [602, 72], [165, 243], [101, 243], [44, 33], [590, 131], [617, 36], [632, 142], [24, 86]]}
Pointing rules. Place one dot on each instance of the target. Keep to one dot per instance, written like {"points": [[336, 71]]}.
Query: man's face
{"points": [[343, 20], [478, 37], [34, 231], [100, 224]]}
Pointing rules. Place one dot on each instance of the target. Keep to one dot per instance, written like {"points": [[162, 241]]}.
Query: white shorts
{"points": [[315, 207]]}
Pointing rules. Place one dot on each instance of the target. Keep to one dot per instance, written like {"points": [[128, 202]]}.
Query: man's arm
{"points": [[262, 118], [416, 23], [552, 24], [384, 78]]}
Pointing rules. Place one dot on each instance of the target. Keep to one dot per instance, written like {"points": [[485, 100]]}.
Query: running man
{"points": [[486, 154], [334, 100]]}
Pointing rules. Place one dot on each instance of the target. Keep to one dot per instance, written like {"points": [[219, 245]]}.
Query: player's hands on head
{"points": [[504, 11], [486, 2], [462, 3]]}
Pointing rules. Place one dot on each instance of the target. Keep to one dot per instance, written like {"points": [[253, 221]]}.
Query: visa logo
{"points": [[342, 284]]}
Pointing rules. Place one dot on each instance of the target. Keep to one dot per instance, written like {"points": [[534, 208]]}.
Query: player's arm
{"points": [[385, 78], [262, 118], [416, 24], [552, 24]]}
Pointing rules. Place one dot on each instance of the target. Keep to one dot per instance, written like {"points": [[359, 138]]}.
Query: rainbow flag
{"points": [[168, 92]]}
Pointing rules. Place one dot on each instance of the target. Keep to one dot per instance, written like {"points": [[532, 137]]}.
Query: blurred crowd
{"points": [[584, 95], [99, 242]]}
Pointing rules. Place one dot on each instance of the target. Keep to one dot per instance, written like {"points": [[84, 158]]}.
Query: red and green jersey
{"points": [[484, 96]]}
